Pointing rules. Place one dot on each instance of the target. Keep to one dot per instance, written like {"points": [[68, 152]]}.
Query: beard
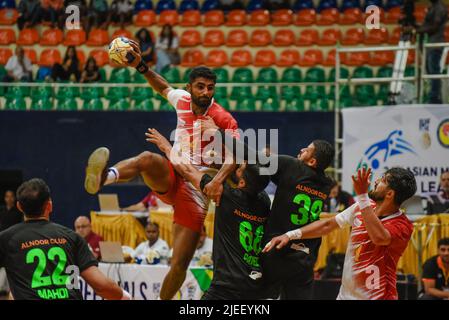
{"points": [[202, 102], [375, 196]]}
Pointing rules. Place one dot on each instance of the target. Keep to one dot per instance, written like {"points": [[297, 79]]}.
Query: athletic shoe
{"points": [[96, 170]]}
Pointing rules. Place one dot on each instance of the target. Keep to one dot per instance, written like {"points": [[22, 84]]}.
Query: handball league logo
{"points": [[379, 153], [443, 133]]}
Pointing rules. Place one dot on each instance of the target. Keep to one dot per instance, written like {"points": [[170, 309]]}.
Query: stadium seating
{"points": [[97, 38], [329, 37], [284, 38], [305, 17], [7, 36], [190, 38], [187, 5], [31, 54], [28, 37], [307, 37], [191, 18], [216, 58], [240, 58], [142, 5], [237, 38], [353, 36], [303, 4], [349, 4], [8, 16], [311, 58], [192, 58], [236, 18], [213, 18], [282, 17], [260, 38], [254, 5], [210, 5], [51, 37], [214, 38], [164, 5], [75, 38], [259, 18], [328, 17], [145, 18], [101, 57], [49, 57], [326, 4], [122, 33], [351, 16], [265, 58], [288, 58], [169, 17], [376, 36]]}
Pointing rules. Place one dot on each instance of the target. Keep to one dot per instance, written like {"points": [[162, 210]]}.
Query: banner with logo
{"points": [[412, 136], [144, 282]]}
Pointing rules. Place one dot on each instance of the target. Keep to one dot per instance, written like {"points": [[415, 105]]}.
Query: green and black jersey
{"points": [[238, 232], [43, 259]]}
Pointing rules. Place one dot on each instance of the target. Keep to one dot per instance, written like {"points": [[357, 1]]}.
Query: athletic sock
{"points": [[112, 176]]}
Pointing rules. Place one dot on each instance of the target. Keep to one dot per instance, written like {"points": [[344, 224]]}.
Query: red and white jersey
{"points": [[369, 271], [188, 131]]}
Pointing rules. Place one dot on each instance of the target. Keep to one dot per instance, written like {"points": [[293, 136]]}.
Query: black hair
{"points": [[443, 242], [86, 67], [12, 191], [403, 182], [146, 36], [324, 154], [255, 182], [202, 72], [66, 57], [32, 196], [152, 224], [170, 37]]}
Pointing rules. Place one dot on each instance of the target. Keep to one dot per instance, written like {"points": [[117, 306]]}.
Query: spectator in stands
{"points": [[53, 11], [70, 68], [434, 24], [90, 72], [338, 200], [436, 274], [9, 214], [154, 250], [84, 228], [146, 45], [438, 202], [18, 67], [228, 5], [29, 13], [274, 5], [150, 201], [97, 15], [167, 48], [122, 12]]}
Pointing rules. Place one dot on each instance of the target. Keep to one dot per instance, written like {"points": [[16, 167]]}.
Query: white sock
{"points": [[112, 176]]}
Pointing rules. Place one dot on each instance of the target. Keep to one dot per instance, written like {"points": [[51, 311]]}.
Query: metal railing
{"points": [[425, 75]]}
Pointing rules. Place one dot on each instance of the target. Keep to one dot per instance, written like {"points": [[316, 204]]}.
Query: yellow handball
{"points": [[118, 49]]}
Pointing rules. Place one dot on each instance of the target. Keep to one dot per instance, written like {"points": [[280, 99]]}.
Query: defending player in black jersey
{"points": [[43, 258], [302, 188], [238, 228]]}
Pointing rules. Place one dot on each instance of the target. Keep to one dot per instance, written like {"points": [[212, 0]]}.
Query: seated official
{"points": [[84, 228], [154, 250], [438, 202], [435, 276]]}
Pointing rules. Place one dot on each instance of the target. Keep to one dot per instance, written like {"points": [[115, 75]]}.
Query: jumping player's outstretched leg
{"points": [[153, 168], [185, 242]]}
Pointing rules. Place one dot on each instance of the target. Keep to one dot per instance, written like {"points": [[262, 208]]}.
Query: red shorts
{"points": [[190, 205]]}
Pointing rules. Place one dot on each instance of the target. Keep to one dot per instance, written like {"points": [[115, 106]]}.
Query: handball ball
{"points": [[118, 49]]}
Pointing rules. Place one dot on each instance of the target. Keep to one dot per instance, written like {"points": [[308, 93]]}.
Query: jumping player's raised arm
{"points": [[156, 81]]}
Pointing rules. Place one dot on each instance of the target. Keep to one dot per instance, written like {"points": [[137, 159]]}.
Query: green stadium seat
{"points": [[344, 89], [364, 101], [222, 75], [224, 103], [119, 105], [42, 103], [314, 92], [319, 105], [142, 93], [271, 104], [294, 105], [68, 104], [144, 105], [362, 92], [102, 75], [185, 77], [248, 104], [15, 103], [93, 105], [242, 75], [17, 92], [117, 93], [290, 93], [68, 92], [138, 78], [41, 92], [345, 102], [266, 75], [92, 93], [166, 106], [291, 75], [120, 75], [409, 71], [384, 88], [171, 74]]}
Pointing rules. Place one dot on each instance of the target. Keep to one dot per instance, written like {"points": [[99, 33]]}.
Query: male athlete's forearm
{"points": [[376, 231], [157, 82], [319, 228], [224, 172], [437, 293]]}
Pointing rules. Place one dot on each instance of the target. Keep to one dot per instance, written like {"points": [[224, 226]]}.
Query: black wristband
{"points": [[142, 67]]}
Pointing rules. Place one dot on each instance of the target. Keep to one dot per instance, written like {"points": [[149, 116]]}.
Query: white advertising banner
{"points": [[144, 282], [412, 136]]}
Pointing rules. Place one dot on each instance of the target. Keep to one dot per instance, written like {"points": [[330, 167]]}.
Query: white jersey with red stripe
{"points": [[369, 271], [188, 132]]}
